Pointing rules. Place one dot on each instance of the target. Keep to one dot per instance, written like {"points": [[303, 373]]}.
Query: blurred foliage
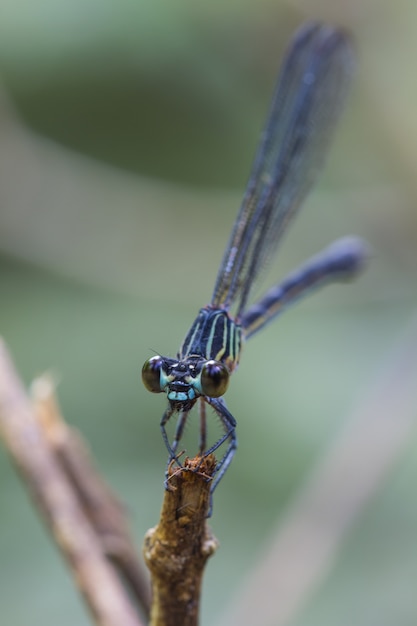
{"points": [[127, 133]]}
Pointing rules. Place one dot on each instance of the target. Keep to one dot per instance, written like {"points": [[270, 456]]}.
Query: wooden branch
{"points": [[89, 524], [103, 509], [75, 532], [176, 550]]}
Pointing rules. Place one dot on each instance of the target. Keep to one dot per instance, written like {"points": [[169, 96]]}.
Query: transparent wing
{"points": [[306, 105]]}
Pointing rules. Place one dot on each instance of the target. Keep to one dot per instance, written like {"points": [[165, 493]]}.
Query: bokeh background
{"points": [[127, 132]]}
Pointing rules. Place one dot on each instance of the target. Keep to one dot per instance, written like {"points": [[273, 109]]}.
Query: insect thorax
{"points": [[214, 335]]}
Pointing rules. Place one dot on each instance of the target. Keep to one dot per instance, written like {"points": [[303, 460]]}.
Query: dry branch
{"points": [[58, 500], [103, 509], [176, 550]]}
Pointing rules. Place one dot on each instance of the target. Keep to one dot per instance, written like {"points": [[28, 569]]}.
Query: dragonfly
{"points": [[308, 99]]}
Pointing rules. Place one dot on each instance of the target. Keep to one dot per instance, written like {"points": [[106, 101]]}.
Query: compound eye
{"points": [[214, 379], [151, 374]]}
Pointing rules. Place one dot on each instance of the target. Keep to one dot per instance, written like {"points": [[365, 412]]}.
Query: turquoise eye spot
{"points": [[164, 380]]}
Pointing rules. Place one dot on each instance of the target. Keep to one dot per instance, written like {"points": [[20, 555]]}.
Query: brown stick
{"points": [[176, 550], [103, 509], [54, 495]]}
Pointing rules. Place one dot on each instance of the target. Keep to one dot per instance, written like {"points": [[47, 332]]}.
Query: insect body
{"points": [[306, 105]]}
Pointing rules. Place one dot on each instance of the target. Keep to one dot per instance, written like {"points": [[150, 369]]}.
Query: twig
{"points": [[54, 496], [177, 549], [103, 509]]}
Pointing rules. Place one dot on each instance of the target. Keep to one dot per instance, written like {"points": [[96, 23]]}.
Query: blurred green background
{"points": [[127, 133]]}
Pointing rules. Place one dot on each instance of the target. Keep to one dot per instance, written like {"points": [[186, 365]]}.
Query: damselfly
{"points": [[307, 102]]}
